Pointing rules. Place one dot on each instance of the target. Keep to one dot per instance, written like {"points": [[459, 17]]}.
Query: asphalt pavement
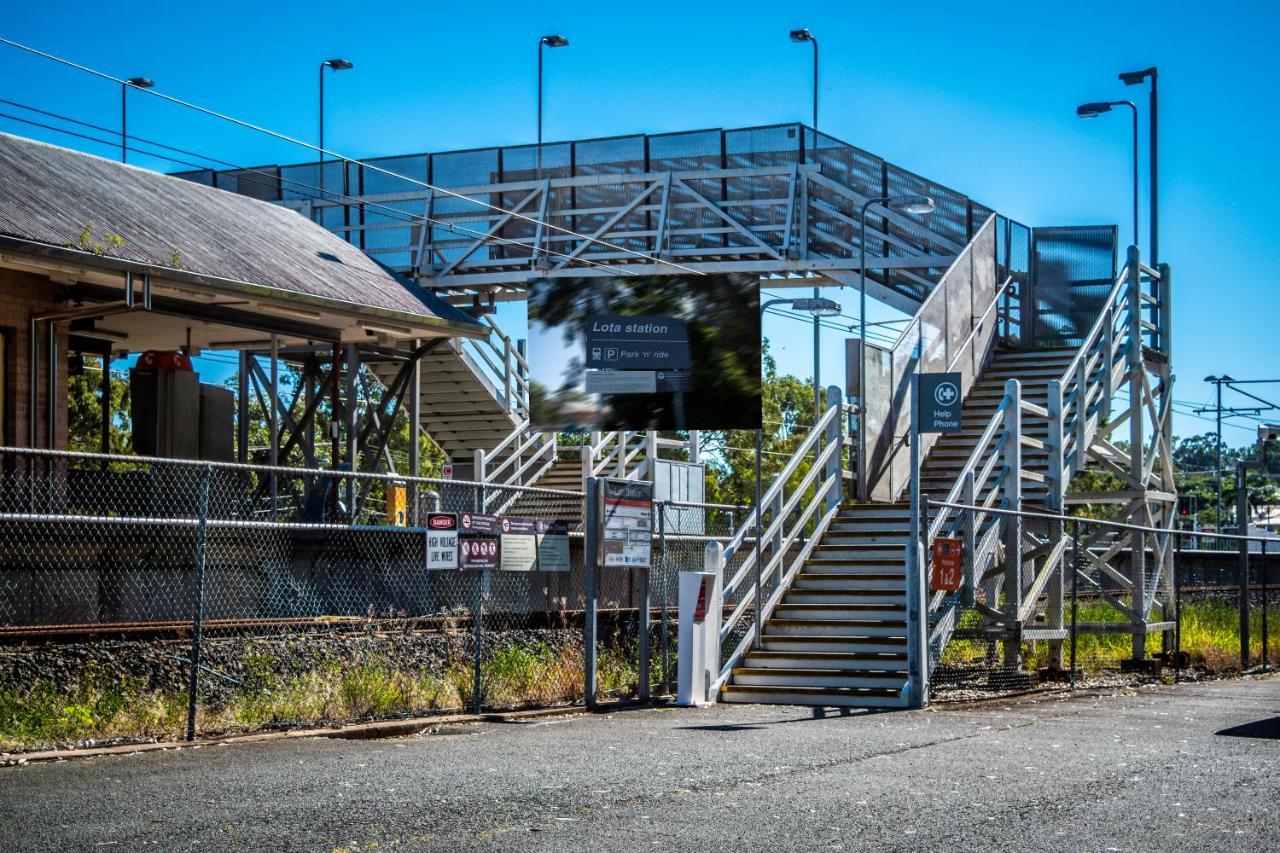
{"points": [[1187, 767]]}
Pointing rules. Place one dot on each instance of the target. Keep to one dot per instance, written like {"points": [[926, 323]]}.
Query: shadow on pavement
{"points": [[1268, 729]]}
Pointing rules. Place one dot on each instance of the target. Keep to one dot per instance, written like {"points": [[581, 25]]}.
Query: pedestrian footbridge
{"points": [[1061, 340]]}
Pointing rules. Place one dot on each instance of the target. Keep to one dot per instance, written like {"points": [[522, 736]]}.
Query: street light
{"points": [[920, 205], [1097, 108], [136, 83], [1134, 78], [552, 41], [332, 65], [800, 36]]}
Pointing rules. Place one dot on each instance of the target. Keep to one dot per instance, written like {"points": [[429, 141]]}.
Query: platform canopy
{"points": [[215, 269]]}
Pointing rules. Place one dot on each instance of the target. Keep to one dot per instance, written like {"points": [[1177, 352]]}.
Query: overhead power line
{"points": [[271, 180], [338, 156]]}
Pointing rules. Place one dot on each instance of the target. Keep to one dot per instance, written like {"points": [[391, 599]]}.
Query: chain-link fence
{"points": [[1091, 602], [145, 597]]}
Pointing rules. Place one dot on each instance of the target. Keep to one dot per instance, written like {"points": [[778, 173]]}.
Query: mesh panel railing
{"points": [[953, 330], [1098, 603]]}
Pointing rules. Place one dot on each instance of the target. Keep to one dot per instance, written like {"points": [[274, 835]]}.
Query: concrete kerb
{"points": [[357, 731]]}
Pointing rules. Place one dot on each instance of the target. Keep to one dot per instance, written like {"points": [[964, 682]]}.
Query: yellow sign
{"points": [[397, 505]]}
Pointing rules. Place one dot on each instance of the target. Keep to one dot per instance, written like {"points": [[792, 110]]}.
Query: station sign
{"points": [[636, 342], [939, 402], [627, 523], [442, 540]]}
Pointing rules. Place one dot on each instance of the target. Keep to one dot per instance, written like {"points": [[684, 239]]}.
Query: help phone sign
{"points": [[947, 564]]}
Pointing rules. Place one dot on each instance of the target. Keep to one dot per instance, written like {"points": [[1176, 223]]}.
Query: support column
{"points": [[242, 410], [415, 433], [1013, 524], [350, 417], [1137, 542]]}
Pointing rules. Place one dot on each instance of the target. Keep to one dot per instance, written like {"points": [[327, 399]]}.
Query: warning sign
{"points": [[947, 562], [442, 540], [479, 541], [519, 544]]}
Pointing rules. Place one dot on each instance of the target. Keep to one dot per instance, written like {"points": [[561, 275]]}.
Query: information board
{"points": [[519, 544], [442, 540], [553, 546], [626, 519]]}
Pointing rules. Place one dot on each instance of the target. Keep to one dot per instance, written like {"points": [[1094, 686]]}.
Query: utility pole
{"points": [[1219, 411]]}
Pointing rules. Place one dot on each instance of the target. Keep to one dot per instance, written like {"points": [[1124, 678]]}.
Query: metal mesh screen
{"points": [[1073, 269]]}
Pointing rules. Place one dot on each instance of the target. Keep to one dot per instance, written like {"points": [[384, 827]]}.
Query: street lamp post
{"points": [[801, 36], [917, 204], [552, 41], [1093, 110], [136, 83], [1134, 78], [333, 65]]}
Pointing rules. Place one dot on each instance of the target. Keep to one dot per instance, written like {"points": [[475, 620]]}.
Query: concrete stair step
{"points": [[842, 598], [849, 567], [849, 580], [867, 661], [848, 610], [853, 645], [845, 697], [825, 678], [811, 627]]}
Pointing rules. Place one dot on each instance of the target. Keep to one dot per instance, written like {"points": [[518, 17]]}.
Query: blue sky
{"points": [[979, 97]]}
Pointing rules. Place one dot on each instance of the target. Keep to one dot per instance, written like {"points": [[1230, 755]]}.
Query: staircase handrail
{"points": [[824, 476], [525, 454], [503, 365]]}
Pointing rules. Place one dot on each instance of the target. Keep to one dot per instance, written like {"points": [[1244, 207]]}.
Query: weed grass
{"points": [[103, 706]]}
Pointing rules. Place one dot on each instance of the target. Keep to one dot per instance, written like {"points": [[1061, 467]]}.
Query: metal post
{"points": [[1177, 605], [124, 122], [917, 617], [197, 613], [273, 421], [242, 410], [662, 563], [759, 532], [1137, 541], [644, 635], [592, 522], [481, 582], [1242, 531], [105, 439], [1265, 665], [1075, 592], [415, 434], [1013, 523], [351, 412]]}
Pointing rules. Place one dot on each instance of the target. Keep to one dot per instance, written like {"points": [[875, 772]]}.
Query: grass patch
{"points": [[1210, 635]]}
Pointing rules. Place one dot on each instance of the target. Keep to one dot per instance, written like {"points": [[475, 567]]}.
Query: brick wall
{"points": [[21, 295]]}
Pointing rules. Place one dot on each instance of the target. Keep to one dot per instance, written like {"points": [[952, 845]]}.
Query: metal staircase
{"points": [[838, 637]]}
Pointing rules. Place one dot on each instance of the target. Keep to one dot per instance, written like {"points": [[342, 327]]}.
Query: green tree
{"points": [[84, 410]]}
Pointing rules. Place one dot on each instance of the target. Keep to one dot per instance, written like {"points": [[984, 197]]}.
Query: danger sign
{"points": [[947, 561]]}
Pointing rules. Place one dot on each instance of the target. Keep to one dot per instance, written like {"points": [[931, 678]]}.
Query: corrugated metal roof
{"points": [[51, 195]]}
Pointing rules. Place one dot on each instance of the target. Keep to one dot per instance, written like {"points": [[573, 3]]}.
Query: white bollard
{"points": [[698, 644]]}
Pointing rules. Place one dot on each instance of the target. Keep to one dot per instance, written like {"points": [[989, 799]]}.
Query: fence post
{"points": [[481, 582], [1075, 592], [969, 529], [1266, 667], [759, 548], [644, 622], [1177, 606], [197, 613], [591, 547], [665, 582], [1242, 531]]}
